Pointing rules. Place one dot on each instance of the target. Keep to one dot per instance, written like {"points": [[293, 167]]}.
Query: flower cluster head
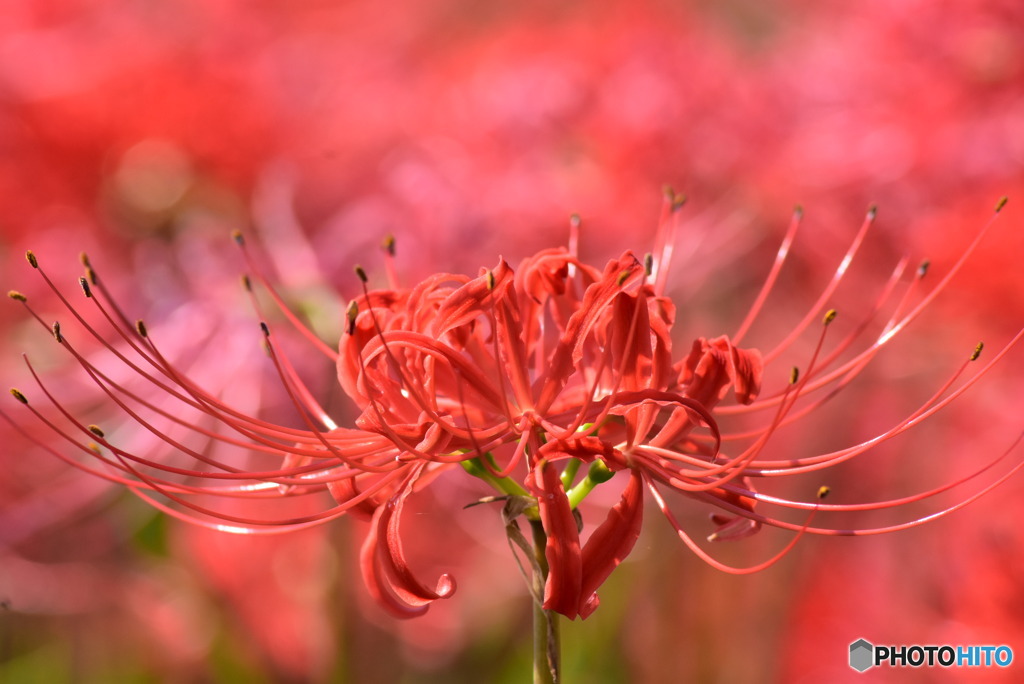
{"points": [[545, 380]]}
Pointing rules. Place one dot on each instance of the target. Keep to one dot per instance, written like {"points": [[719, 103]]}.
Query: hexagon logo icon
{"points": [[861, 653]]}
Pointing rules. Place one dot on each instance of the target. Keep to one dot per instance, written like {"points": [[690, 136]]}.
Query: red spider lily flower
{"points": [[521, 376]]}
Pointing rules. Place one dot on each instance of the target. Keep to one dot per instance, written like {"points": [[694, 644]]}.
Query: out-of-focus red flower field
{"points": [[145, 132]]}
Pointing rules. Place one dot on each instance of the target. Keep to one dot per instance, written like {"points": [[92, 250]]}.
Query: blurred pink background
{"points": [[145, 132]]}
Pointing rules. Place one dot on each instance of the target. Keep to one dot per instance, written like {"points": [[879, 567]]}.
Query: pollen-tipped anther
{"points": [[872, 212], [56, 331], [361, 274], [86, 290], [823, 491], [17, 296], [140, 327], [490, 279], [923, 268], [237, 236], [351, 315], [31, 258], [648, 263], [95, 429], [265, 328], [675, 199], [16, 393], [977, 351], [794, 375], [246, 282], [389, 244], [623, 277], [830, 316], [1001, 203], [84, 259]]}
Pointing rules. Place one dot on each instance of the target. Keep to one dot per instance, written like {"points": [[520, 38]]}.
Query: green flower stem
{"points": [[569, 474], [546, 642], [597, 474], [505, 485]]}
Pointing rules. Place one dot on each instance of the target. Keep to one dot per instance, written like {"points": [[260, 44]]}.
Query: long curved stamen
{"points": [[950, 274], [574, 243], [849, 369], [230, 472], [259, 431], [203, 404], [696, 480], [895, 327], [664, 243], [304, 414], [851, 532], [296, 522], [198, 401], [829, 290], [773, 275], [388, 245], [319, 344], [789, 400], [718, 565], [290, 379], [263, 490], [936, 403], [880, 505]]}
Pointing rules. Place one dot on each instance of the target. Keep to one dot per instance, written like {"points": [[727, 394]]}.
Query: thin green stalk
{"points": [[546, 646], [596, 474]]}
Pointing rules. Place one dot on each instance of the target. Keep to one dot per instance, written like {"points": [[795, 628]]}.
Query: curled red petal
{"points": [[345, 489], [679, 424], [707, 372], [545, 274], [713, 365], [384, 568], [611, 542], [733, 527], [565, 564], [661, 330], [584, 447], [514, 352], [617, 274], [472, 299], [630, 332], [385, 305], [748, 368]]}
